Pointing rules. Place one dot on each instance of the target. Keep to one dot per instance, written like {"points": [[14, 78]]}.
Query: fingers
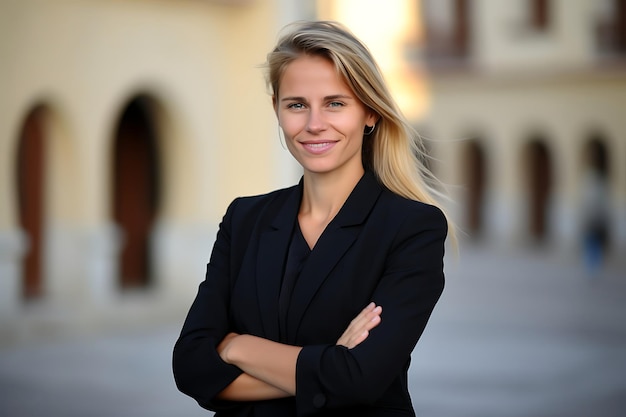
{"points": [[370, 314], [359, 327], [358, 339]]}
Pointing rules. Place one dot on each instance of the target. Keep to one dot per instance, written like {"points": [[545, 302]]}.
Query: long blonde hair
{"points": [[394, 151]]}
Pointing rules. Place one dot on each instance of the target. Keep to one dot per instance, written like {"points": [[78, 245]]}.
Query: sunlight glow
{"points": [[389, 29]]}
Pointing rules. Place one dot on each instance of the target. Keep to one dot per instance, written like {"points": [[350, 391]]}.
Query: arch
{"points": [[475, 175], [30, 170], [537, 167], [595, 154], [136, 188], [594, 189]]}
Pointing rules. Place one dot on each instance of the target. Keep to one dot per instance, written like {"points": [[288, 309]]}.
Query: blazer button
{"points": [[319, 400]]}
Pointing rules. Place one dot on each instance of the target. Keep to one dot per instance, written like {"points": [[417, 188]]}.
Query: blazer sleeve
{"points": [[198, 369], [330, 376]]}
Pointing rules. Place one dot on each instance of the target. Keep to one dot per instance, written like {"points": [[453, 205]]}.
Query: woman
{"points": [[289, 321]]}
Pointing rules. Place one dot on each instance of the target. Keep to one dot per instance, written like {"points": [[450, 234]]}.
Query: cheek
{"points": [[291, 126], [291, 148], [352, 130]]}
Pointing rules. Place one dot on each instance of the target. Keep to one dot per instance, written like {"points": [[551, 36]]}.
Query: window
{"points": [[611, 27], [447, 30]]}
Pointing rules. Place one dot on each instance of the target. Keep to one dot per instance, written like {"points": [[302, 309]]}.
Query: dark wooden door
{"points": [[475, 183], [135, 192], [30, 186], [540, 179]]}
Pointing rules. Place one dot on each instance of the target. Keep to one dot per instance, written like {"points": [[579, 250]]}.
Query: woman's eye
{"points": [[336, 104], [295, 106]]}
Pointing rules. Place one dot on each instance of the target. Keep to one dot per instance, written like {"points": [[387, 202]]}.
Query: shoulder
{"points": [[402, 205], [248, 213], [255, 205], [253, 201], [409, 212]]}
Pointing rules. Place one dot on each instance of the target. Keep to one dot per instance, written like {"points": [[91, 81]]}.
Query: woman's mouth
{"points": [[318, 147]]}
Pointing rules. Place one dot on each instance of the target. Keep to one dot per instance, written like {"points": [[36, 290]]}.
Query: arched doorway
{"points": [[475, 176], [595, 194], [31, 198], [596, 155], [539, 183], [136, 190]]}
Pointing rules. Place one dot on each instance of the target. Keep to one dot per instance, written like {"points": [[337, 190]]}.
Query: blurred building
{"points": [[527, 96], [126, 127]]}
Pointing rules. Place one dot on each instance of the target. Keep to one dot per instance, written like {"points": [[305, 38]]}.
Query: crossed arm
{"points": [[269, 368]]}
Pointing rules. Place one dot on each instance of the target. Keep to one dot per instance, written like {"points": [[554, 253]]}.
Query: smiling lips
{"points": [[319, 147]]}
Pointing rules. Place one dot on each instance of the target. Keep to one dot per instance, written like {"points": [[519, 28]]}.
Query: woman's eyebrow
{"points": [[338, 96], [331, 97], [293, 98]]}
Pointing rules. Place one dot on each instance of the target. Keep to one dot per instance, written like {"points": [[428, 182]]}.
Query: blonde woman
{"points": [[316, 295]]}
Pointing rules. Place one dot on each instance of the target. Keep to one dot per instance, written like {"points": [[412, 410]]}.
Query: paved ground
{"points": [[524, 334]]}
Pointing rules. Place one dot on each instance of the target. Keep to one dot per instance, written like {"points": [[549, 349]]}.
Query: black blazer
{"points": [[380, 247]]}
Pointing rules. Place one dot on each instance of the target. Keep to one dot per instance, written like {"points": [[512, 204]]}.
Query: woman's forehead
{"points": [[312, 74]]}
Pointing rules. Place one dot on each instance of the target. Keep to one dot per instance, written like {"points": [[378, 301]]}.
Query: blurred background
{"points": [[126, 128]]}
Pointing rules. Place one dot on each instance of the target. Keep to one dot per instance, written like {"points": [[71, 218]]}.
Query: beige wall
{"points": [[506, 113], [515, 84], [84, 60], [198, 61], [503, 39]]}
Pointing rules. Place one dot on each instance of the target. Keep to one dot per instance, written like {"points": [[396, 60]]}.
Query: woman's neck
{"points": [[324, 194]]}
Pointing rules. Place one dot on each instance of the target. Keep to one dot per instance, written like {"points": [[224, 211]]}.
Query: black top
{"points": [[296, 258]]}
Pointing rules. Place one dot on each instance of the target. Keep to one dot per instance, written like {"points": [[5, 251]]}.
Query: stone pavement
{"points": [[525, 334], [516, 334]]}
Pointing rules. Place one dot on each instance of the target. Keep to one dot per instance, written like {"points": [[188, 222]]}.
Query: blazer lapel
{"points": [[334, 242], [273, 248]]}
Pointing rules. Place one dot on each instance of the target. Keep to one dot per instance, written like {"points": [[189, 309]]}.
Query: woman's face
{"points": [[322, 119]]}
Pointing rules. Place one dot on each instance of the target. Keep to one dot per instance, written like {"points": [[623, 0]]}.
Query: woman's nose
{"points": [[316, 122]]}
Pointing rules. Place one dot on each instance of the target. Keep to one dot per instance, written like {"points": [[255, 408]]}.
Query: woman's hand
{"points": [[223, 347], [359, 327]]}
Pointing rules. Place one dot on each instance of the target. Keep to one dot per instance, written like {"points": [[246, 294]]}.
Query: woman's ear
{"points": [[372, 119]]}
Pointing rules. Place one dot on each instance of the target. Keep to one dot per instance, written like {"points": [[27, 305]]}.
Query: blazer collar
{"points": [[353, 212], [336, 239]]}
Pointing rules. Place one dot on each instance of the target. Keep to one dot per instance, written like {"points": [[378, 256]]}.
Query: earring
{"points": [[369, 129]]}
